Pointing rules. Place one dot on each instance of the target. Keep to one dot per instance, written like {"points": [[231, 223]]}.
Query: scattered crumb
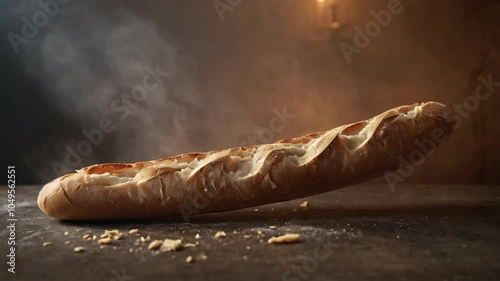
{"points": [[189, 259], [197, 236], [94, 237], [119, 236], [397, 237], [154, 245], [247, 236], [256, 210], [66, 233], [245, 257], [170, 245], [259, 232], [78, 249], [203, 256], [67, 242], [104, 241], [272, 209], [287, 238], [189, 245], [133, 231], [235, 232], [272, 227], [101, 247], [294, 210], [112, 232], [220, 234], [131, 250], [248, 248], [45, 244], [144, 240], [261, 241], [87, 236], [305, 204], [197, 243]]}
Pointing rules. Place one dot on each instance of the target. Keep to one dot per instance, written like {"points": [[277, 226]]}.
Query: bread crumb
{"points": [[171, 245], [87, 236], [220, 234], [189, 245], [78, 249], [189, 259], [272, 227], [197, 236], [197, 243], [245, 257], [119, 236], [247, 236], [203, 256], [256, 210], [94, 237], [259, 232], [104, 241], [144, 240], [248, 248], [67, 242], [112, 232], [287, 238], [133, 231], [154, 245], [66, 233], [305, 204], [45, 244]]}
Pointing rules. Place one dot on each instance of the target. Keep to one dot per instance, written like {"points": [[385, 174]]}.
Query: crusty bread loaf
{"points": [[241, 177]]}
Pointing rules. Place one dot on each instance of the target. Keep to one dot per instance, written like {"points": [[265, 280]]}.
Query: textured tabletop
{"points": [[366, 232]]}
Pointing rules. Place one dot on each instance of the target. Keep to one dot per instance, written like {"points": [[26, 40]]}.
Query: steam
{"points": [[89, 59]]}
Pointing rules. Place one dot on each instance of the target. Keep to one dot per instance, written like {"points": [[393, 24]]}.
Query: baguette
{"points": [[241, 177]]}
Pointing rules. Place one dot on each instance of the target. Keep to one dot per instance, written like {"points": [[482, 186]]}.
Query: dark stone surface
{"points": [[364, 232]]}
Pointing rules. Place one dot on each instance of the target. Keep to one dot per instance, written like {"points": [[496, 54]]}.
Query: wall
{"points": [[230, 74]]}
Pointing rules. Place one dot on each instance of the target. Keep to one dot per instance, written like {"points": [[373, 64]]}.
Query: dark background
{"points": [[228, 74]]}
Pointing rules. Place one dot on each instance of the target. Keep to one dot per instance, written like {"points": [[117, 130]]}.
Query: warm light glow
{"points": [[335, 25], [321, 1]]}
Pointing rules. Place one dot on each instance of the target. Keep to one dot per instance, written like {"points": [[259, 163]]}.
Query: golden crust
{"points": [[236, 178]]}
